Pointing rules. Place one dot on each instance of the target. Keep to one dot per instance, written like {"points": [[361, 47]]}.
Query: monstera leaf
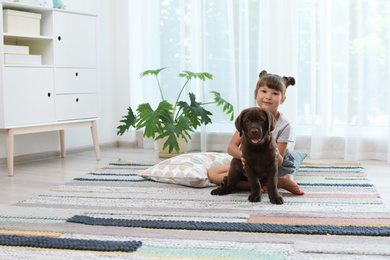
{"points": [[128, 121], [195, 112], [151, 120], [180, 128]]}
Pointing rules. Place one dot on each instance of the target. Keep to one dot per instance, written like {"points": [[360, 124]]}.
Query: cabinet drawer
{"points": [[76, 106], [74, 80]]}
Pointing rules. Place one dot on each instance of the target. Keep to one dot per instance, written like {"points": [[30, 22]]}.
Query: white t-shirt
{"points": [[283, 132]]}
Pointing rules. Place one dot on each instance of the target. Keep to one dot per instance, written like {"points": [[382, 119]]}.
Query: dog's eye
{"points": [[247, 121]]}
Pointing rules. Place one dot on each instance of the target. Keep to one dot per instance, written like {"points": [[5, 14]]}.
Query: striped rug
{"points": [[112, 213]]}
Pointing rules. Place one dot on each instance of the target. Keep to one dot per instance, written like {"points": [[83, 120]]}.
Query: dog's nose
{"points": [[254, 131]]}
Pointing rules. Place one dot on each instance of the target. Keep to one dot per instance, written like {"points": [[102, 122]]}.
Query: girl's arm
{"points": [[280, 151], [234, 146]]}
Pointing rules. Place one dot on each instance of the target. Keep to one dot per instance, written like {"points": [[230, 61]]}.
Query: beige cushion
{"points": [[188, 169]]}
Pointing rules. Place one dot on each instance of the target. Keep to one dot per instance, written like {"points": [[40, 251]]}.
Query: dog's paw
{"points": [[254, 198], [277, 200], [219, 191], [224, 181]]}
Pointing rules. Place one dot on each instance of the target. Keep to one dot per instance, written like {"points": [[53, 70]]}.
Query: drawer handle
{"points": [[77, 99], [76, 74], [59, 38], [48, 94]]}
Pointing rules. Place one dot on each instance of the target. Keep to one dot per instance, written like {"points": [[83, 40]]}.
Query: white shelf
{"points": [[27, 37]]}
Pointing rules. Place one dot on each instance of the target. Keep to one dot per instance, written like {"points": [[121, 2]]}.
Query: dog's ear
{"points": [[271, 121], [239, 123]]}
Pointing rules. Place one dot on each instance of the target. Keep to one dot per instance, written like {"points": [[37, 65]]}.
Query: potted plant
{"points": [[170, 121]]}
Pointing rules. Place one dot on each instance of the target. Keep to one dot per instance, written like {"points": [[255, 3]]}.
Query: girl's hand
{"points": [[243, 162], [278, 156]]}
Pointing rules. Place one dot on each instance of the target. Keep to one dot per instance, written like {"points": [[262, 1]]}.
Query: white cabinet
{"points": [[57, 91]]}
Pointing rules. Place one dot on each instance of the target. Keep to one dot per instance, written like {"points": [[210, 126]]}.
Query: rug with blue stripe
{"points": [[115, 213]]}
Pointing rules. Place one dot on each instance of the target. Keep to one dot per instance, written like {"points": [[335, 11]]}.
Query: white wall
{"points": [[113, 82]]}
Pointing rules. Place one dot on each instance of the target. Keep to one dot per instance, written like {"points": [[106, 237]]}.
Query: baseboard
{"points": [[127, 144], [54, 154], [216, 142]]}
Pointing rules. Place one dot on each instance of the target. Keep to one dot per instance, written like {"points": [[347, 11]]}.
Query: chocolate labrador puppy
{"points": [[258, 149]]}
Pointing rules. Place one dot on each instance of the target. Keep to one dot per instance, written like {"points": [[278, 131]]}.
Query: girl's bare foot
{"points": [[287, 182]]}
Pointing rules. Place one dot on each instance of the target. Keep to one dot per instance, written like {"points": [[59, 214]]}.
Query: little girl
{"points": [[270, 92]]}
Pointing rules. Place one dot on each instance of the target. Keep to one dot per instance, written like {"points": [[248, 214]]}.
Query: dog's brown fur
{"points": [[258, 149]]}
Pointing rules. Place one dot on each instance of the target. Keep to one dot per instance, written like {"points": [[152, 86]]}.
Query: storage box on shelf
{"points": [[19, 22], [48, 78], [16, 49], [14, 54], [22, 59]]}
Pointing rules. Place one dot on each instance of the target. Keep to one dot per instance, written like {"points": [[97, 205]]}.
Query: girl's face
{"points": [[269, 99]]}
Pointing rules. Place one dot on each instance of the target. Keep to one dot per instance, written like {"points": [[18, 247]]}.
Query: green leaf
{"points": [[190, 75], [227, 107], [205, 75], [151, 72], [152, 120], [155, 73], [128, 121], [174, 129], [195, 112]]}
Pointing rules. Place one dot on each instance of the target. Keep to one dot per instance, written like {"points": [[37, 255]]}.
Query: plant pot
{"points": [[164, 153]]}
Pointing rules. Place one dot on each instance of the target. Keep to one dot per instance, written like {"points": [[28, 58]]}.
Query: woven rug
{"points": [[112, 213]]}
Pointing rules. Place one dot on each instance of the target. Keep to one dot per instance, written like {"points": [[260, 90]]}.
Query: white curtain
{"points": [[338, 52]]}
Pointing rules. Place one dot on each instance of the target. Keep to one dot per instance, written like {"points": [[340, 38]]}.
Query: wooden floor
{"points": [[33, 178]]}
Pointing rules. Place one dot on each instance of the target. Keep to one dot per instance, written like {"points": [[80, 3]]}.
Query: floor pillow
{"points": [[189, 169], [298, 158]]}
